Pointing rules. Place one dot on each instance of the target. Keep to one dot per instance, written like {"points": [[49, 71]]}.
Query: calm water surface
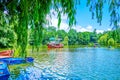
{"points": [[71, 64]]}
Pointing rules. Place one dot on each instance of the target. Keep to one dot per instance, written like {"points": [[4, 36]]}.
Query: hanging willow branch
{"points": [[96, 7]]}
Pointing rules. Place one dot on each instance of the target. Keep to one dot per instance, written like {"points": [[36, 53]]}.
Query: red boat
{"points": [[6, 54], [54, 45]]}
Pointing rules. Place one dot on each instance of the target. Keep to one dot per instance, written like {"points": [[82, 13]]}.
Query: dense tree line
{"points": [[72, 37]]}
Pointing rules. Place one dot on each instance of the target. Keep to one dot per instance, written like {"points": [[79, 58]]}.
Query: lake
{"points": [[70, 64]]}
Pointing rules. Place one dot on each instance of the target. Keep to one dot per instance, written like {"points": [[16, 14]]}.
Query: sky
{"points": [[84, 20]]}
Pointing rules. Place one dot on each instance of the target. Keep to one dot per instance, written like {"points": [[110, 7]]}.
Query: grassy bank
{"points": [[2, 49]]}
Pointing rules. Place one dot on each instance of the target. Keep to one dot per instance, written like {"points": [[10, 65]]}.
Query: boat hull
{"points": [[55, 45], [6, 54], [12, 61]]}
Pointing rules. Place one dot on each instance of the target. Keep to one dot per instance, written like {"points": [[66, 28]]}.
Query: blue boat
{"points": [[29, 59], [4, 72], [12, 61]]}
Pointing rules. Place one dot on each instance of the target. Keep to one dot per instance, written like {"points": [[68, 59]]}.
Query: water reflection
{"points": [[72, 64]]}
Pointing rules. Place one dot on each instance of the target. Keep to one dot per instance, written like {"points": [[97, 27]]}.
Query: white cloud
{"points": [[89, 28], [109, 29], [64, 25], [99, 31], [79, 28]]}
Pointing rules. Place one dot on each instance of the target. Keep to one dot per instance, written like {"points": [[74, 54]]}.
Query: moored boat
{"points": [[6, 58], [55, 43], [12, 61], [6, 54], [4, 72]]}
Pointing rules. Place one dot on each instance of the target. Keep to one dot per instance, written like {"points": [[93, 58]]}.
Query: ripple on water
{"points": [[77, 64]]}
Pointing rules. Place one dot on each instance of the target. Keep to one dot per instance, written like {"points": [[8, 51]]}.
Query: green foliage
{"points": [[111, 42], [7, 34], [61, 34], [93, 36], [103, 40], [83, 38], [45, 37], [110, 38], [48, 33], [65, 41], [118, 35], [72, 35], [115, 34]]}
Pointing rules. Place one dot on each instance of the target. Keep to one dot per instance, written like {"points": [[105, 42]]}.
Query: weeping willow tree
{"points": [[24, 13], [33, 13]]}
